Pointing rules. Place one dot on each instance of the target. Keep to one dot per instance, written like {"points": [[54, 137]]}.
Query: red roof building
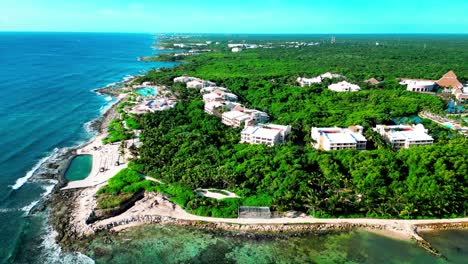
{"points": [[450, 80]]}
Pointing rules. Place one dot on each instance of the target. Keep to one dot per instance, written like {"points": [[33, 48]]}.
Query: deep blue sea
{"points": [[45, 105]]}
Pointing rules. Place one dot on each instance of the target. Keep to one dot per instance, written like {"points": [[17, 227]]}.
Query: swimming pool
{"points": [[148, 91], [79, 168]]}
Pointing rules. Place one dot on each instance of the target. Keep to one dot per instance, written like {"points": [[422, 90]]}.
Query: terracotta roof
{"points": [[449, 80], [238, 108], [372, 81]]}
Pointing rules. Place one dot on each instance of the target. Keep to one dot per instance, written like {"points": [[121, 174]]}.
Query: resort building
{"points": [[309, 81], [450, 80], [185, 79], [211, 106], [155, 105], [219, 96], [329, 75], [418, 85], [335, 138], [212, 89], [267, 134], [239, 115], [404, 136], [234, 118], [196, 84], [236, 49], [344, 86], [235, 46], [255, 115], [461, 94], [451, 84], [193, 82]]}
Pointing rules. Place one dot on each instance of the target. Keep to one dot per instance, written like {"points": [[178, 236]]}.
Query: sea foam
{"points": [[52, 252], [21, 181]]}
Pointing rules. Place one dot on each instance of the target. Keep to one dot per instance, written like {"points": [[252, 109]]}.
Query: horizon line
{"points": [[234, 33]]}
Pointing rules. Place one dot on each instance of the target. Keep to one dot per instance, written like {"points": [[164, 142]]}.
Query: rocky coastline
{"points": [[74, 234]]}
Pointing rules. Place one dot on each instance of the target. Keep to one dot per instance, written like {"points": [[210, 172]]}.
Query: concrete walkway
{"points": [[216, 195]]}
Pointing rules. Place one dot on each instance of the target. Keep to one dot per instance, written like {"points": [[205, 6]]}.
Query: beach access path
{"points": [[157, 205]]}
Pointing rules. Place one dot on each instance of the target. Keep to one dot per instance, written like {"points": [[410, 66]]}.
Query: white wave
{"points": [[111, 84], [88, 126], [47, 190], [8, 210], [52, 252], [108, 98], [128, 78], [30, 206], [107, 106], [21, 181]]}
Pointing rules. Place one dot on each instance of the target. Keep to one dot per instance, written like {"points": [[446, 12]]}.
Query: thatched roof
{"points": [[449, 80], [372, 81]]}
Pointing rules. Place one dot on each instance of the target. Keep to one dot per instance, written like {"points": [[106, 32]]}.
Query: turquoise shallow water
{"points": [[171, 244], [79, 168]]}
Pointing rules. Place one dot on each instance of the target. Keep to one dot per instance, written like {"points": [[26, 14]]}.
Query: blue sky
{"points": [[237, 16]]}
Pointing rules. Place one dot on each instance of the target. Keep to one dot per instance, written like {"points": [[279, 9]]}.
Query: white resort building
{"points": [[239, 115], [404, 136], [234, 118], [335, 138], [219, 96], [418, 85], [461, 93], [211, 106], [193, 82], [185, 79], [450, 81], [267, 134], [344, 86], [212, 89], [236, 49], [309, 81]]}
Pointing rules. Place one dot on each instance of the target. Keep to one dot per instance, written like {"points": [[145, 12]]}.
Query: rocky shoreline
{"points": [[75, 233]]}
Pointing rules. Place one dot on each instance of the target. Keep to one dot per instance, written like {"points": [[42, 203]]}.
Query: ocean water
{"points": [[46, 105]]}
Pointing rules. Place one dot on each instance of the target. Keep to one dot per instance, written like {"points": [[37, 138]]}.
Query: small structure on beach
{"points": [[254, 212]]}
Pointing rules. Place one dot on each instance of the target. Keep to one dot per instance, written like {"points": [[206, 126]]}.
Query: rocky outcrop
{"points": [[101, 214]]}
